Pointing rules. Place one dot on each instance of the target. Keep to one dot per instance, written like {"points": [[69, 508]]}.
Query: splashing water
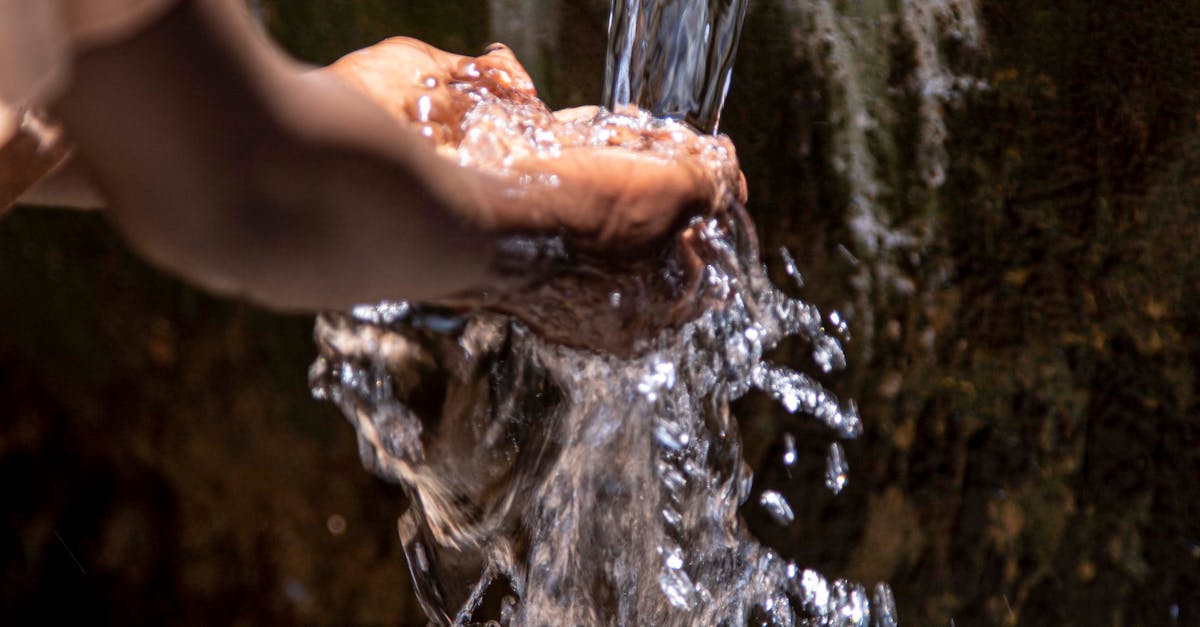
{"points": [[556, 482], [673, 57], [777, 507], [596, 489]]}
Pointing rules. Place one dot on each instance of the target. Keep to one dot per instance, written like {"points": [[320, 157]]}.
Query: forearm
{"points": [[226, 164], [67, 187]]}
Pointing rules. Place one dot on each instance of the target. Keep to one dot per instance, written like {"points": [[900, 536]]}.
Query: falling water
{"points": [[673, 58], [556, 480], [580, 487]]}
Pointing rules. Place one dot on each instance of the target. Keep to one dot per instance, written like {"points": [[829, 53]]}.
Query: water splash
{"points": [[582, 485], [673, 57], [574, 477]]}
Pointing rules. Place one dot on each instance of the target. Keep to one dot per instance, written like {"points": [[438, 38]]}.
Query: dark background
{"points": [[1024, 364]]}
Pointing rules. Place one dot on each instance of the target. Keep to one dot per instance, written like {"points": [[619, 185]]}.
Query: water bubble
{"points": [[777, 507], [837, 470]]}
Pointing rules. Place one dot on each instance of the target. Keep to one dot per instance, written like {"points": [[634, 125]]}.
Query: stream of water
{"points": [[673, 58], [558, 483]]}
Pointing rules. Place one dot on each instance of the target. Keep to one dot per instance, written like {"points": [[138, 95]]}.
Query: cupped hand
{"points": [[613, 184]]}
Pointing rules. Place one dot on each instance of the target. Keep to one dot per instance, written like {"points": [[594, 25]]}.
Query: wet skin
{"points": [[632, 196], [233, 166], [618, 198]]}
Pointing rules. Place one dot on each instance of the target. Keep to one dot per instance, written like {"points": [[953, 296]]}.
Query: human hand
{"points": [[613, 184]]}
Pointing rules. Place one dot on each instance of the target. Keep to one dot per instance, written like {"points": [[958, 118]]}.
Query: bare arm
{"points": [[228, 164], [69, 187]]}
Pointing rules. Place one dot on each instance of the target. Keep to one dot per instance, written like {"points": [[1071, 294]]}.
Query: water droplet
{"points": [[828, 354], [670, 435], [676, 584], [777, 507], [885, 606], [672, 557], [671, 477], [789, 449], [849, 602], [789, 266], [424, 107], [660, 379], [840, 325], [386, 313], [814, 592], [837, 470]]}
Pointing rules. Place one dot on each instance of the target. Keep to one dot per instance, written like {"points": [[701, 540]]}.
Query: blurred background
{"points": [[1000, 197]]}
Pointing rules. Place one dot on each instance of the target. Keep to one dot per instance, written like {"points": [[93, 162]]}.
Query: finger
{"points": [[499, 65], [576, 114]]}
